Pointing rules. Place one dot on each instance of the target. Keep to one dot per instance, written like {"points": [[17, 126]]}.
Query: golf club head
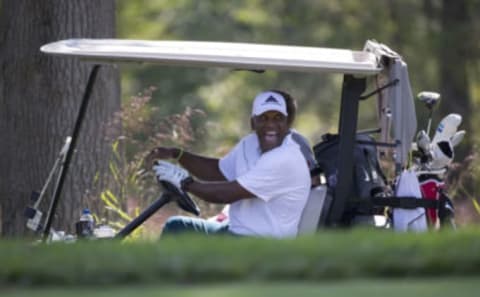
{"points": [[34, 217], [430, 99], [423, 142]]}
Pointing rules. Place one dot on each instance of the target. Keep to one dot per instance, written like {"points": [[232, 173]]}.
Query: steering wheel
{"points": [[183, 200]]}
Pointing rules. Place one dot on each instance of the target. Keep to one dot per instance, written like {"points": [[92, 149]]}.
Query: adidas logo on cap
{"points": [[269, 101]]}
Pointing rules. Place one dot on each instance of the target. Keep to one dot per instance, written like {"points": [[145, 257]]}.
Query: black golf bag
{"points": [[368, 178]]}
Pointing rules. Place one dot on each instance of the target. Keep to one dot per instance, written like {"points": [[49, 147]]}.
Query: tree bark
{"points": [[39, 101]]}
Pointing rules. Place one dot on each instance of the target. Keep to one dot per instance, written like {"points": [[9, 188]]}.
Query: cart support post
{"points": [[64, 168], [351, 93]]}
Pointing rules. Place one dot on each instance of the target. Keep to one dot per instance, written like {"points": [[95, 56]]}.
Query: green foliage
{"points": [[406, 26], [134, 132], [190, 259], [461, 179]]}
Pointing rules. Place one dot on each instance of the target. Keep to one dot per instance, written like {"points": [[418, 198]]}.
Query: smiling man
{"points": [[265, 177]]}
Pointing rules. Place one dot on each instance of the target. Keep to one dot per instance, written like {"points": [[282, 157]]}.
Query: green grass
{"points": [[447, 287], [192, 260]]}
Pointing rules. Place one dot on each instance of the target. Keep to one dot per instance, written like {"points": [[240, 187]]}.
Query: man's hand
{"points": [[160, 153], [165, 171]]}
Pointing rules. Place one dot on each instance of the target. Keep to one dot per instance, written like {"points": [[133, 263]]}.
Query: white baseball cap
{"points": [[267, 101]]}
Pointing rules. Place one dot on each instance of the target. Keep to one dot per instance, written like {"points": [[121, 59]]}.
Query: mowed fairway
{"points": [[435, 287]]}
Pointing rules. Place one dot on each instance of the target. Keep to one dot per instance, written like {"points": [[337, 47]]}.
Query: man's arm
{"points": [[202, 167], [218, 192]]}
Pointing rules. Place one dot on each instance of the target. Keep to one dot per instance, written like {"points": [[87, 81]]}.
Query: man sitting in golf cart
{"points": [[264, 177]]}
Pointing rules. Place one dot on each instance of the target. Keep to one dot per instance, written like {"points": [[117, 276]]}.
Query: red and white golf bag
{"points": [[431, 171]]}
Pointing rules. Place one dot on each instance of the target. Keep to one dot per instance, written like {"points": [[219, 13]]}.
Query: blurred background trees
{"points": [[439, 39]]}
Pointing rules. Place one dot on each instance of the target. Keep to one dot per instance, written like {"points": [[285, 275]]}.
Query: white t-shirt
{"points": [[280, 180]]}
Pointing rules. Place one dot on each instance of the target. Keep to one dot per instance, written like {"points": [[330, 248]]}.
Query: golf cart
{"points": [[332, 204]]}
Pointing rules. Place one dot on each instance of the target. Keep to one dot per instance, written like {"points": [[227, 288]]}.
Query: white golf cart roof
{"points": [[220, 54]]}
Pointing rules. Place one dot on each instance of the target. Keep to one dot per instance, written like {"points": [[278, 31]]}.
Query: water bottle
{"points": [[85, 226]]}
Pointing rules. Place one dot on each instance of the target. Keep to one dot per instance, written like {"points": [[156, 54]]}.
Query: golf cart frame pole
{"points": [[352, 90], [65, 166]]}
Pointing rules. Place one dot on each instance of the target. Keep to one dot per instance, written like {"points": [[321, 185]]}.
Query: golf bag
{"points": [[368, 178]]}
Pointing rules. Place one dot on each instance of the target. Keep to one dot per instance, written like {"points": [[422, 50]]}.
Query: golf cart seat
{"points": [[311, 214]]}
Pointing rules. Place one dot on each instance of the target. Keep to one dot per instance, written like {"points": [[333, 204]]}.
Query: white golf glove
{"points": [[165, 171]]}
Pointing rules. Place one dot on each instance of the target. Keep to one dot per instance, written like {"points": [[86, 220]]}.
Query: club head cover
{"points": [[447, 128], [442, 154], [458, 137]]}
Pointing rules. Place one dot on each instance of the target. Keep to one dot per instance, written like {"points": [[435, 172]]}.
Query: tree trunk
{"points": [[39, 101]]}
